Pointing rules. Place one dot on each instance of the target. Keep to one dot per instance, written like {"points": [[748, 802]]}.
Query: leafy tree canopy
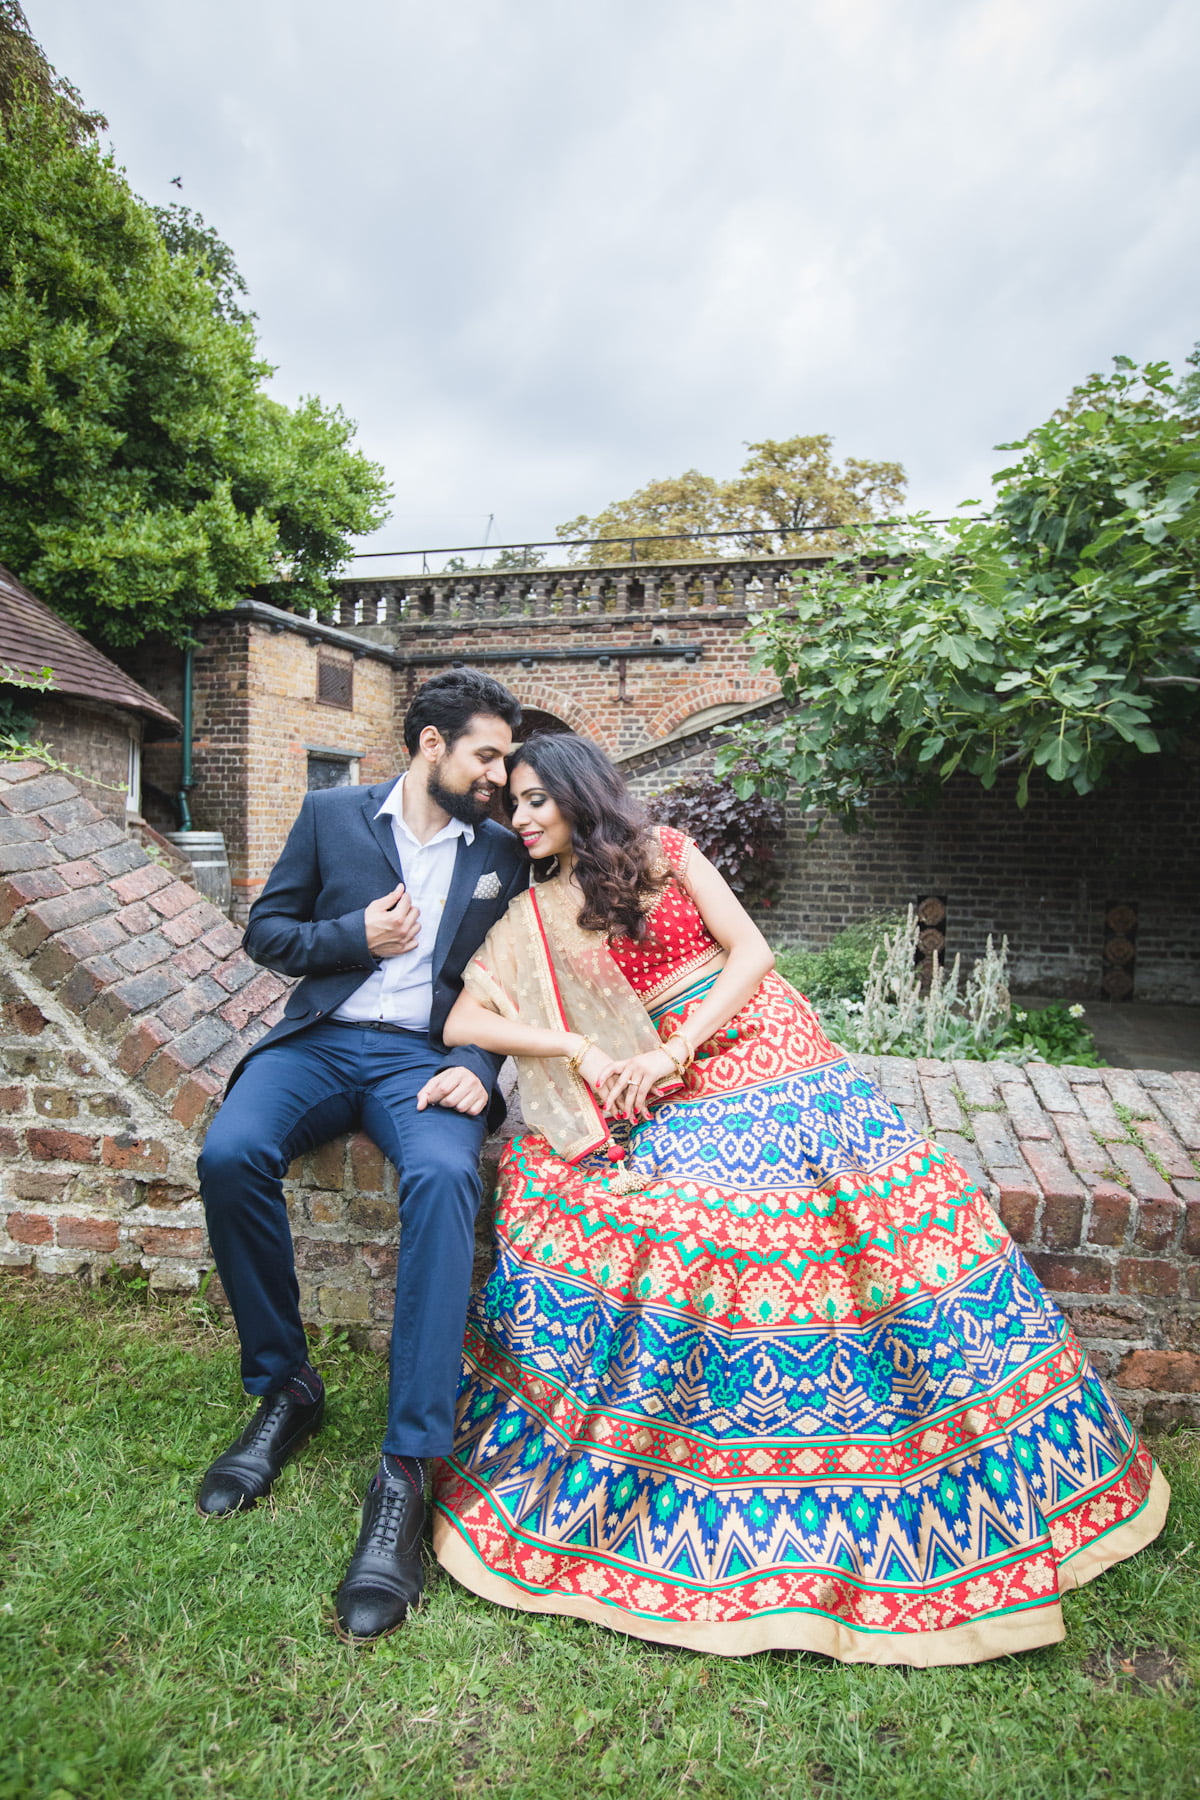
{"points": [[185, 234], [1060, 637], [147, 477], [26, 76], [790, 496]]}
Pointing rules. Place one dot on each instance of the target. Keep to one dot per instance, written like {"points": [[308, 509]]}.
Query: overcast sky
{"points": [[544, 252]]}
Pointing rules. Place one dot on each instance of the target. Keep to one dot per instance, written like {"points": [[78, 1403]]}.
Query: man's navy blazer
{"points": [[308, 920]]}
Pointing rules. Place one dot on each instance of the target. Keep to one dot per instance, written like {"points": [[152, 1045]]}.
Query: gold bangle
{"points": [[573, 1062], [690, 1054], [681, 1068]]}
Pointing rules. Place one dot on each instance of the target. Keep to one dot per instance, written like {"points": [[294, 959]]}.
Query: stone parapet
{"points": [[384, 605]]}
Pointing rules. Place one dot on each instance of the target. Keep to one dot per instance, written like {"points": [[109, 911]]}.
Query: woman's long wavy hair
{"points": [[616, 856]]}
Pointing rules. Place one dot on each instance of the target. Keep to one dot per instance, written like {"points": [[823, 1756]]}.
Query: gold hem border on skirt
{"points": [[1000, 1635]]}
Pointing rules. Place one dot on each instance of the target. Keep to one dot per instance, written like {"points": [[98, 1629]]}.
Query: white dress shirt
{"points": [[400, 992]]}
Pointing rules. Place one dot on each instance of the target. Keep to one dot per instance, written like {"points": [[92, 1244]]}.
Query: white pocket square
{"points": [[487, 887]]}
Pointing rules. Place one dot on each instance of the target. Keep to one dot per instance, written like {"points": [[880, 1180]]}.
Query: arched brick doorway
{"points": [[535, 719]]}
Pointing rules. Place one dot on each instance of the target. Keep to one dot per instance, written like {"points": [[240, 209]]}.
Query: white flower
{"points": [[1076, 1011]]}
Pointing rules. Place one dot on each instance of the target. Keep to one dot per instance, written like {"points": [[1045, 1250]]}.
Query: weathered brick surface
{"points": [[140, 882], [88, 1234], [1025, 1111], [1087, 1156], [1147, 1275], [60, 1146], [1145, 1181], [1062, 1221], [1112, 1209], [941, 1103], [1051, 1172], [1072, 1274]]}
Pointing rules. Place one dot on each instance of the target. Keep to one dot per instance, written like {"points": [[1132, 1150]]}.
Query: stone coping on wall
{"points": [[127, 999]]}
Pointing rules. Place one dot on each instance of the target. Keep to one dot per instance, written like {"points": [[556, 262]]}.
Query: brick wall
{"points": [[256, 717], [93, 739], [1044, 876], [627, 706]]}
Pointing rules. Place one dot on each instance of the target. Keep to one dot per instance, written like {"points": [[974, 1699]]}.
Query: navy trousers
{"points": [[291, 1097]]}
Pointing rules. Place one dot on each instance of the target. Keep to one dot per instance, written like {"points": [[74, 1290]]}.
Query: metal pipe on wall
{"points": [[186, 779]]}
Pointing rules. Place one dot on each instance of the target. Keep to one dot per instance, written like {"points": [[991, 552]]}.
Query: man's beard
{"points": [[467, 807]]}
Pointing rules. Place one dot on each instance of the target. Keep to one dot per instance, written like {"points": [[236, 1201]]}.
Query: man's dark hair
{"points": [[452, 700]]}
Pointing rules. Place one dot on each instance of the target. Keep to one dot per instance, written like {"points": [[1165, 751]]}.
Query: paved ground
{"points": [[1134, 1034], [1137, 1035]]}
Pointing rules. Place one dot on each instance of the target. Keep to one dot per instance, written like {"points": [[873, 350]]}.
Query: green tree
{"points": [[147, 477], [518, 557], [1060, 638], [26, 77], [186, 235], [790, 496]]}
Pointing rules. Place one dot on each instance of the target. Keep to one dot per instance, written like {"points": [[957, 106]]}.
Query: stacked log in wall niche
{"points": [[931, 935], [1120, 950]]}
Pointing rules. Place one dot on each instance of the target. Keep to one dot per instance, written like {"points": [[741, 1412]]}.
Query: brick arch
{"points": [[543, 694], [718, 692]]}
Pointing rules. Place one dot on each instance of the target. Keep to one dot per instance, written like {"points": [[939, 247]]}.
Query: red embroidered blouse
{"points": [[677, 939]]}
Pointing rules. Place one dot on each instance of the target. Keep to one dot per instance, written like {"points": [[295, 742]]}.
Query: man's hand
{"points": [[459, 1089], [393, 924]]}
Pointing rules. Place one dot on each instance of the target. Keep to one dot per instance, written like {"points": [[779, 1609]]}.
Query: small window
{"points": [[335, 680], [332, 771]]}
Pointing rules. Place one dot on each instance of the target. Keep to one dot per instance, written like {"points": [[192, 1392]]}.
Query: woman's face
{"points": [[536, 819]]}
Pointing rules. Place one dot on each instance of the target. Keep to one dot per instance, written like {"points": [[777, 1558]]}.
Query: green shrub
{"points": [[839, 972], [737, 836], [1053, 1034], [870, 995]]}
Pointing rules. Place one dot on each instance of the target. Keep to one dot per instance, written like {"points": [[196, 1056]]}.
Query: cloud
{"points": [[545, 253]]}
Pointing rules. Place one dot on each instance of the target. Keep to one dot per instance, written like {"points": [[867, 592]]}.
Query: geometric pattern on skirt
{"points": [[800, 1391]]}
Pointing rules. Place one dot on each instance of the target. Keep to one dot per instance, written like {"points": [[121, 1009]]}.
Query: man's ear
{"points": [[431, 743]]}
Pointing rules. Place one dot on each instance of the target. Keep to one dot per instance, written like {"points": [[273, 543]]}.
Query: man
{"points": [[379, 899]]}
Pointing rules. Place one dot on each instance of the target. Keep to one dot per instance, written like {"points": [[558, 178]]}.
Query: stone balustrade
{"points": [[382, 605]]}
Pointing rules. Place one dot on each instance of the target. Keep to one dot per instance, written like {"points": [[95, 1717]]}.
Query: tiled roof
{"points": [[33, 638]]}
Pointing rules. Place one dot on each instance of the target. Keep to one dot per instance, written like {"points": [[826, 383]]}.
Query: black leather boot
{"points": [[385, 1577], [242, 1475]]}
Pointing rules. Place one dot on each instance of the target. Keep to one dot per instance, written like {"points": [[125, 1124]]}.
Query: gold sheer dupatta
{"points": [[536, 965]]}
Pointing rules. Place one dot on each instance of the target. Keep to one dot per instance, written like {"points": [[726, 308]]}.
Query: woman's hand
{"points": [[596, 1068], [626, 1093]]}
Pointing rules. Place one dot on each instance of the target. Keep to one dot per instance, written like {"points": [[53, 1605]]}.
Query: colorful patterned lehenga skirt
{"points": [[799, 1391]]}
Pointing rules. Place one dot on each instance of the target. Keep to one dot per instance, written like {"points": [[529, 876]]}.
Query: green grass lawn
{"points": [[145, 1653]]}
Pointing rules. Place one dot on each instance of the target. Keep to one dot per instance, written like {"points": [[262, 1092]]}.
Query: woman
{"points": [[768, 1373]]}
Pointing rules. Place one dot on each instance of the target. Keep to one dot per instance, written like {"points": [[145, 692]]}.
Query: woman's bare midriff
{"points": [[716, 961]]}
